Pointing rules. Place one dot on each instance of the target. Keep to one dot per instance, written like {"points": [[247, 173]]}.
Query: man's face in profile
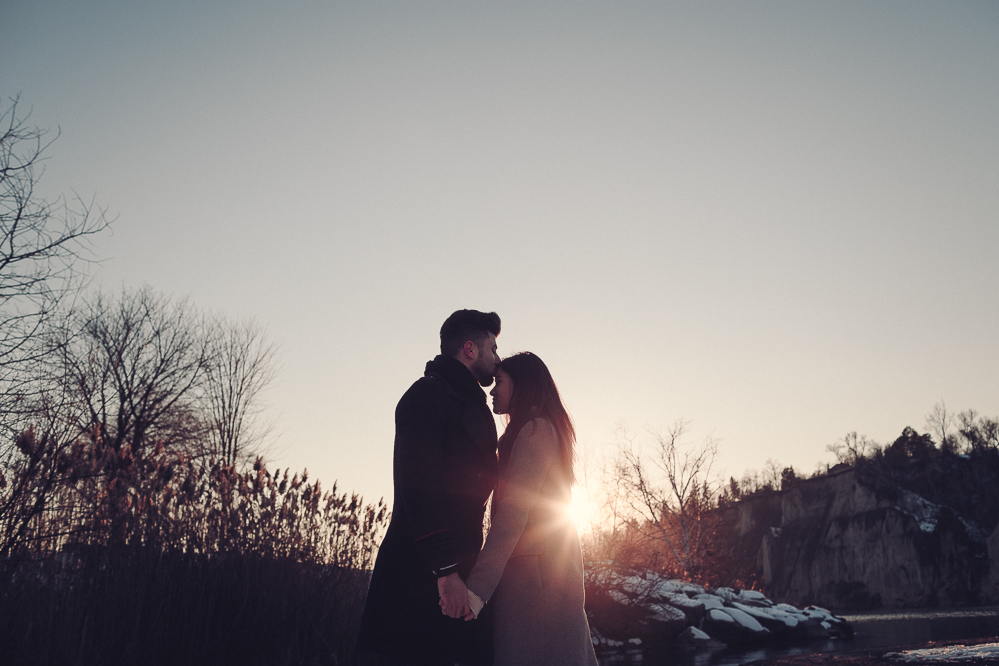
{"points": [[484, 366]]}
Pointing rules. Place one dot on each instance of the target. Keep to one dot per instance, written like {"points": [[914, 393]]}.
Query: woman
{"points": [[530, 568]]}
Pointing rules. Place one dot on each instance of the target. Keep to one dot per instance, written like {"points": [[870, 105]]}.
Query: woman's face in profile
{"points": [[502, 392]]}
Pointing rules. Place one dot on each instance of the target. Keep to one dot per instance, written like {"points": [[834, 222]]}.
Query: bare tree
{"points": [[673, 496], [978, 433], [41, 245], [853, 447], [772, 474], [134, 366], [940, 422], [240, 368]]}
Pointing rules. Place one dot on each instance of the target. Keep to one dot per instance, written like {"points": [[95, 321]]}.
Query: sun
{"points": [[580, 509]]}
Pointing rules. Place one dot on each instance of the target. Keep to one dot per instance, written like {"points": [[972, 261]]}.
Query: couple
{"points": [[438, 596]]}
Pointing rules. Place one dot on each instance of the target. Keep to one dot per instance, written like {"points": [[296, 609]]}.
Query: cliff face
{"points": [[864, 538]]}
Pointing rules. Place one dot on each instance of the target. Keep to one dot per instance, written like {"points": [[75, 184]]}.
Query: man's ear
{"points": [[470, 350]]}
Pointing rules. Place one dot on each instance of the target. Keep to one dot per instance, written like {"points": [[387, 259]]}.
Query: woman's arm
{"points": [[534, 452]]}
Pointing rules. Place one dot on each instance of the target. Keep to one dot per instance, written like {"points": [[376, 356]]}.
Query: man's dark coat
{"points": [[444, 470]]}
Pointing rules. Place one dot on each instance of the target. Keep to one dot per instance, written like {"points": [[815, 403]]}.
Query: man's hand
{"points": [[454, 596]]}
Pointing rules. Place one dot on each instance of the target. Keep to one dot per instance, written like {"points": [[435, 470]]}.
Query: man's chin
{"points": [[486, 382]]}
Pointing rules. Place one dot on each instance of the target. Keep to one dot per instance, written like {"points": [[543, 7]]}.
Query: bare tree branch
{"points": [[673, 502], [241, 367], [42, 244]]}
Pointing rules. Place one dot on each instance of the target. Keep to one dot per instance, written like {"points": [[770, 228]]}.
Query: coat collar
{"points": [[457, 375]]}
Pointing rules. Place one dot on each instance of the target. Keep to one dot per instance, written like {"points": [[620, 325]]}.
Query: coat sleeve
{"points": [[534, 452], [421, 489]]}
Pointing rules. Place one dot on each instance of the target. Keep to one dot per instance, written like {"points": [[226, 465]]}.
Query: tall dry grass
{"points": [[162, 559]]}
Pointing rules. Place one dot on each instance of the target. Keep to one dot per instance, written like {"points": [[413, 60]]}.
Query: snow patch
{"points": [[633, 585], [720, 616], [667, 613], [753, 595], [710, 601], [745, 619], [925, 512], [697, 634], [789, 620], [619, 597]]}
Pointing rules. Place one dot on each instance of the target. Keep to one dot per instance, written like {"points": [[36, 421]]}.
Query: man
{"points": [[444, 468]]}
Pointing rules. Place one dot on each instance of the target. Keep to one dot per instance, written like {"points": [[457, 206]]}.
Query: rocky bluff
{"points": [[884, 533]]}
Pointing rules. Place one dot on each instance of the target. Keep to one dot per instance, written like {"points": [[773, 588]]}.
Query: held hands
{"points": [[454, 597]]}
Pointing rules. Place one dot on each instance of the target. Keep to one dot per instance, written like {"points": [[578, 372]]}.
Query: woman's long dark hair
{"points": [[535, 395]]}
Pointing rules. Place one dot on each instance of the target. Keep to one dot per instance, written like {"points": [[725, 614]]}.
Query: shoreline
{"points": [[876, 656]]}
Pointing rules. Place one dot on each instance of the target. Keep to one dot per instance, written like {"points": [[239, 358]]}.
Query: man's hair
{"points": [[465, 325]]}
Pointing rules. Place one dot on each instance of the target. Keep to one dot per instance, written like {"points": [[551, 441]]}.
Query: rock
{"points": [[726, 594], [774, 624], [733, 627], [721, 626], [618, 596], [747, 621], [695, 638], [813, 628], [667, 585], [709, 601], [655, 612], [634, 586], [609, 612], [601, 642], [787, 608], [693, 609], [660, 622], [753, 596], [836, 626], [618, 616]]}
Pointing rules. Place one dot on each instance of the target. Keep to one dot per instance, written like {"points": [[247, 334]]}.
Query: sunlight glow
{"points": [[581, 510]]}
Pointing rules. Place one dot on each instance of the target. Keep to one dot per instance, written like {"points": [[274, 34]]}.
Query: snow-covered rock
{"points": [[694, 637], [710, 601], [664, 613], [661, 611], [720, 625], [747, 621], [754, 598], [772, 623], [789, 619], [693, 609], [634, 586], [726, 594]]}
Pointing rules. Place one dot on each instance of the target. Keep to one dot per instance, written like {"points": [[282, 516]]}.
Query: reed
{"points": [[162, 560]]}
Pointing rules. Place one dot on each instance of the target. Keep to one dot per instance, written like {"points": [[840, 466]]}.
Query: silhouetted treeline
{"points": [[660, 506]]}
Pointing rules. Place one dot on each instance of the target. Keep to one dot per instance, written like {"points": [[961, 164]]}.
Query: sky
{"points": [[776, 220]]}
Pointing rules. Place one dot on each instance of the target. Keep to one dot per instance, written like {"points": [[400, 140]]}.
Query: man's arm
{"points": [[420, 475]]}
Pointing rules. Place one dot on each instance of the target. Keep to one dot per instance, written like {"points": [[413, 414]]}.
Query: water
{"points": [[884, 629]]}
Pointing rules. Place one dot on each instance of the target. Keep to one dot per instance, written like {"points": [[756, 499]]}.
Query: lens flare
{"points": [[580, 509]]}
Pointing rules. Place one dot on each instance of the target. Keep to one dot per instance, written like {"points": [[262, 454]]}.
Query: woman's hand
{"points": [[475, 604]]}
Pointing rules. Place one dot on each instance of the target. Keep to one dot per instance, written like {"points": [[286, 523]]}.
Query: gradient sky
{"points": [[779, 220]]}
